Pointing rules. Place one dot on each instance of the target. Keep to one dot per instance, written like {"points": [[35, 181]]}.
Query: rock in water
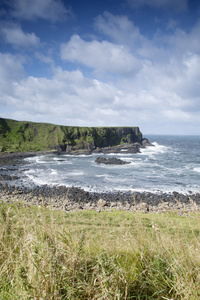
{"points": [[111, 161]]}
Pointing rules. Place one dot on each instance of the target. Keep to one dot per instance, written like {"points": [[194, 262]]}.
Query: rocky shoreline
{"points": [[14, 158], [76, 199], [131, 148]]}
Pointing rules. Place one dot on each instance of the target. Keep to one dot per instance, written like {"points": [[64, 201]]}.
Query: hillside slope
{"points": [[30, 136]]}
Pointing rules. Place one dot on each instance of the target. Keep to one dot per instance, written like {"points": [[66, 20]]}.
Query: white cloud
{"points": [[11, 70], [177, 115], [52, 10], [183, 42], [119, 28], [187, 84], [14, 35], [44, 58], [101, 56], [178, 5], [169, 75], [72, 99], [68, 97], [122, 31]]}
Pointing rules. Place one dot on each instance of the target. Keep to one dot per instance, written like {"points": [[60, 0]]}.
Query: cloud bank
{"points": [[48, 10], [14, 35], [117, 76]]}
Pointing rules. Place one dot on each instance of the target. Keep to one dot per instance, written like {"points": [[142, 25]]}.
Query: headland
{"points": [[22, 136]]}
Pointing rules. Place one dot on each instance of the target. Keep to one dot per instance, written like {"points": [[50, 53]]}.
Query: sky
{"points": [[102, 63]]}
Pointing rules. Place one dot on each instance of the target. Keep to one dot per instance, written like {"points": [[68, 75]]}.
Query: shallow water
{"points": [[173, 164]]}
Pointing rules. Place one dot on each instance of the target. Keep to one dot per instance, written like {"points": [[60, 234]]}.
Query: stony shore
{"points": [[75, 198], [13, 158]]}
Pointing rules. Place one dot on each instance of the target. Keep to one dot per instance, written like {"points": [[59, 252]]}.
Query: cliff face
{"points": [[29, 136]]}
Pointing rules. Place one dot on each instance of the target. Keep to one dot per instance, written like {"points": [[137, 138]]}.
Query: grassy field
{"points": [[48, 254]]}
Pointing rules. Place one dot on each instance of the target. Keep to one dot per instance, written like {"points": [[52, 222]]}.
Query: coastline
{"points": [[75, 198], [12, 158]]}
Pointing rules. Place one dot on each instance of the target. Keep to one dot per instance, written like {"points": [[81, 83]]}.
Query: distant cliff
{"points": [[30, 136]]}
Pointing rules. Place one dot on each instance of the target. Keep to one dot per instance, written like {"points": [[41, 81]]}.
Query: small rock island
{"points": [[111, 161]]}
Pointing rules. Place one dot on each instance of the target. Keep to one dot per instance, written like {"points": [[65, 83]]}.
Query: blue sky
{"points": [[102, 63]]}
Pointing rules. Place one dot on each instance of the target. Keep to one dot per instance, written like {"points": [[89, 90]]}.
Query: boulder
{"points": [[143, 207], [101, 203], [146, 143], [111, 161]]}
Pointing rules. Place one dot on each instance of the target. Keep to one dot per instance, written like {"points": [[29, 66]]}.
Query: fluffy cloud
{"points": [[101, 56], [51, 10], [14, 35], [68, 97], [119, 28], [183, 42], [187, 85], [170, 73], [71, 98], [11, 71], [178, 5], [123, 32]]}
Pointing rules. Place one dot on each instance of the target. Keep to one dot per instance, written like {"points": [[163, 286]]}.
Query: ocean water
{"points": [[172, 164]]}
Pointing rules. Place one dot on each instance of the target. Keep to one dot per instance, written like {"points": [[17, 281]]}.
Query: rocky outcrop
{"points": [[110, 161], [113, 140], [124, 148], [82, 148], [107, 140], [119, 149], [146, 143]]}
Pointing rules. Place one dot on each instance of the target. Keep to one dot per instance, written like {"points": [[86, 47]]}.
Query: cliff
{"points": [[30, 136]]}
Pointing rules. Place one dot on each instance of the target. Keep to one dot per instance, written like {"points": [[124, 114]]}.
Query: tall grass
{"points": [[88, 255]]}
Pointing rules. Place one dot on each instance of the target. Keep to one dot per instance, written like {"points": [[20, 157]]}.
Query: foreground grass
{"points": [[88, 255]]}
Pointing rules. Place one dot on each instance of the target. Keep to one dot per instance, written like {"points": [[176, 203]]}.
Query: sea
{"points": [[171, 164]]}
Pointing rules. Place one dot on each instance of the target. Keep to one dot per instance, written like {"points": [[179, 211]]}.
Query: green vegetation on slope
{"points": [[30, 136], [89, 255]]}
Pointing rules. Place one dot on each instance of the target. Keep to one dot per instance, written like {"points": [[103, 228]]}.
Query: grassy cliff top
{"points": [[31, 136]]}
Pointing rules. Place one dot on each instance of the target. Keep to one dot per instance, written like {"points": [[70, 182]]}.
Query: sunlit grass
{"points": [[48, 254]]}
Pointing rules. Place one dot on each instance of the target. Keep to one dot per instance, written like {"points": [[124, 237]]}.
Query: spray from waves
{"points": [[197, 170], [54, 172], [123, 153], [77, 173], [111, 178], [43, 159], [155, 149]]}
